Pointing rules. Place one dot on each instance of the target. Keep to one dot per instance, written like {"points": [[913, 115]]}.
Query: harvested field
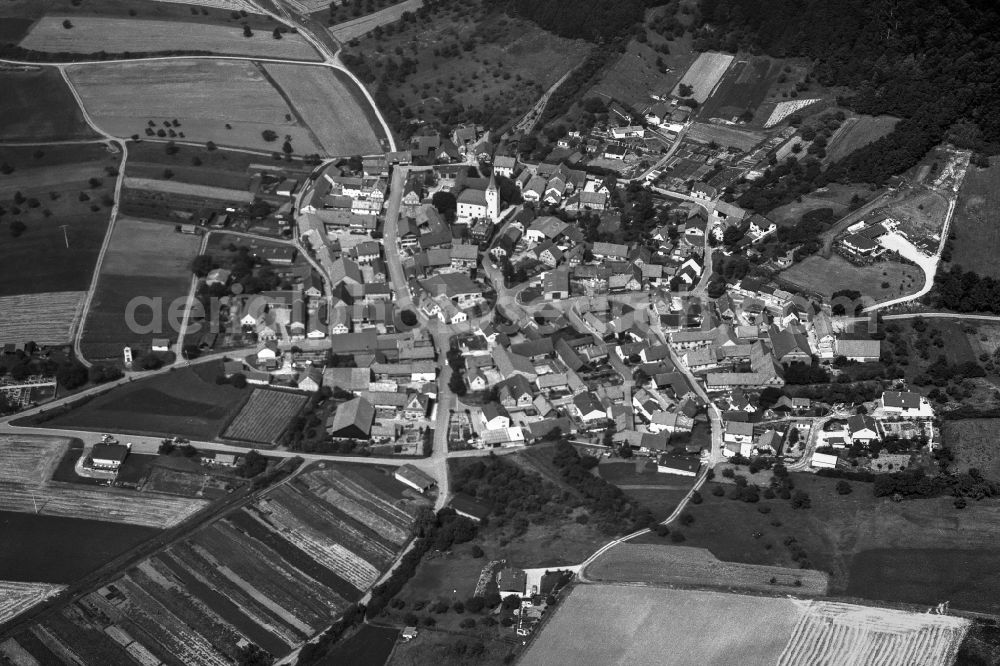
{"points": [[203, 95], [349, 30], [835, 633], [331, 106], [921, 214], [149, 249], [112, 505], [858, 132], [91, 34], [825, 276], [45, 319], [648, 625], [15, 598], [680, 565], [30, 459], [189, 189], [185, 402], [265, 416], [37, 106], [219, 4], [724, 136], [977, 241], [704, 74]]}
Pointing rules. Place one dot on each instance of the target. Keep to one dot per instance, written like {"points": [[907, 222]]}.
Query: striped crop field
{"points": [[30, 459], [843, 634], [15, 597], [265, 416], [45, 319], [272, 574]]}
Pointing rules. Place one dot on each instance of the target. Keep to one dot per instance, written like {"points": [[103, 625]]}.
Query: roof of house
{"points": [[114, 452], [858, 348], [860, 422], [451, 285], [901, 399], [739, 428], [357, 413], [415, 475], [587, 403], [468, 504], [673, 461], [349, 379]]}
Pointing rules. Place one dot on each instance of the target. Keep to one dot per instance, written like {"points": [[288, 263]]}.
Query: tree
{"points": [[684, 90], [445, 203], [408, 317], [696, 498], [17, 227], [67, 24], [171, 148], [269, 135], [457, 383], [71, 375], [253, 464], [277, 33], [251, 655], [475, 604], [287, 147], [843, 487], [476, 551], [800, 500], [247, 32]]}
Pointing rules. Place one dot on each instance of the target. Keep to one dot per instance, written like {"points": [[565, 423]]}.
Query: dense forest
{"points": [[964, 291], [935, 65]]}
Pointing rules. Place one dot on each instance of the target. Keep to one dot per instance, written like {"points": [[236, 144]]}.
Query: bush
{"points": [[475, 604], [476, 551], [843, 487], [718, 491], [696, 498], [686, 519], [677, 537]]}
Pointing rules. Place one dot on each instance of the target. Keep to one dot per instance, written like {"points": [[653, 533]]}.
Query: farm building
{"points": [[109, 456], [353, 419], [415, 478], [669, 463], [465, 505]]}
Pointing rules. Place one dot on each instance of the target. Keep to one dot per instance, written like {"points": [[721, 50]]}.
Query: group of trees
{"points": [[965, 291], [968, 485]]}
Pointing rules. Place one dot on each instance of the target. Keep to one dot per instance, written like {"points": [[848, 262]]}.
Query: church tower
{"points": [[493, 199]]}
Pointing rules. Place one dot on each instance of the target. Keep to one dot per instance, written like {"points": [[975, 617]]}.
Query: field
{"points": [[265, 416], [46, 319], [974, 443], [825, 276], [370, 646], [743, 88], [203, 95], [680, 565], [725, 136], [188, 189], [920, 214], [37, 106], [274, 574], [348, 30], [30, 460], [15, 598], [648, 625], [635, 76], [977, 234], [835, 196], [34, 547], [53, 180], [857, 132], [219, 168], [332, 106], [91, 34], [186, 402], [704, 74], [146, 265]]}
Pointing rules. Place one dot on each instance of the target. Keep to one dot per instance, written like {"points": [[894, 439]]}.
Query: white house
{"points": [[823, 461]]}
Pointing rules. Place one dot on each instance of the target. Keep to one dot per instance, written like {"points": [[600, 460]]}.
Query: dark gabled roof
{"points": [[469, 505]]}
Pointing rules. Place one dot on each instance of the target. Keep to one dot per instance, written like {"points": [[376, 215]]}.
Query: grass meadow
{"points": [[977, 233], [37, 106]]}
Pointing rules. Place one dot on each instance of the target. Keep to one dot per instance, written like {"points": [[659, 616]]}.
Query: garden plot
{"points": [[232, 5], [331, 106], [724, 136], [91, 34], [203, 95], [115, 506], [45, 319], [704, 74], [15, 598], [265, 416]]}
